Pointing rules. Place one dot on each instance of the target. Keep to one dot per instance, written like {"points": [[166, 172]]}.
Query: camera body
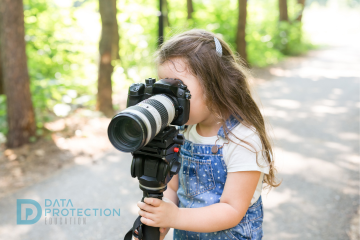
{"points": [[173, 88]]}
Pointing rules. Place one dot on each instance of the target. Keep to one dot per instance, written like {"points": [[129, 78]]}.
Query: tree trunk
{"points": [[283, 16], [166, 13], [104, 98], [116, 38], [20, 112], [302, 3], [161, 24], [240, 36], [190, 9], [2, 91]]}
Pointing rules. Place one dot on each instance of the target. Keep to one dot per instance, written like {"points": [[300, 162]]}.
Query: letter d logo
{"points": [[28, 211]]}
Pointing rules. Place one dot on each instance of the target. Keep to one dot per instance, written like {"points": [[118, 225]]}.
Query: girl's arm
{"points": [[234, 202], [171, 191]]}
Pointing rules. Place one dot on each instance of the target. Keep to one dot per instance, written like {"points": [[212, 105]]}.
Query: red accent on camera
{"points": [[176, 149]]}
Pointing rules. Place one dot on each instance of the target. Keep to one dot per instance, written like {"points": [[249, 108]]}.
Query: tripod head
{"points": [[156, 163]]}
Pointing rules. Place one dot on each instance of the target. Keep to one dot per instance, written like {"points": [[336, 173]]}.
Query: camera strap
{"points": [[137, 225]]}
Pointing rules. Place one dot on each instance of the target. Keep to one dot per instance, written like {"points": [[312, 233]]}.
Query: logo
{"points": [[58, 212], [28, 211]]}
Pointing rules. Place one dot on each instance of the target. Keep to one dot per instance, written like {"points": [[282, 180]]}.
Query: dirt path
{"points": [[313, 107]]}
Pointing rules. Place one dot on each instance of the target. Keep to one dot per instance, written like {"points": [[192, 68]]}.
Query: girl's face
{"points": [[176, 68]]}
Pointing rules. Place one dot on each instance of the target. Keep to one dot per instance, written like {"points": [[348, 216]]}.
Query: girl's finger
{"points": [[147, 221], [136, 231], [145, 207], [146, 215], [153, 201]]}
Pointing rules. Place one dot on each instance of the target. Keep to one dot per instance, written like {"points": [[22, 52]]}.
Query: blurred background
{"points": [[66, 67]]}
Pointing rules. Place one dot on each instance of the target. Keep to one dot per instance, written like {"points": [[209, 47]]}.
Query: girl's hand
{"points": [[158, 213]]}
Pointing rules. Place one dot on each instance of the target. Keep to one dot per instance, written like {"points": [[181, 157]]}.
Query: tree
{"points": [[166, 13], [109, 38], [2, 91], [283, 12], [163, 19], [284, 25], [190, 9], [116, 37], [302, 3], [20, 111], [240, 36]]}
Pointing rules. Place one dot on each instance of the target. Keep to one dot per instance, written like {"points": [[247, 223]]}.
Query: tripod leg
{"points": [[151, 233]]}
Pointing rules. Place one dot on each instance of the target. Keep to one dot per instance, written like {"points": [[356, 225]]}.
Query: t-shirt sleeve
{"points": [[242, 157]]}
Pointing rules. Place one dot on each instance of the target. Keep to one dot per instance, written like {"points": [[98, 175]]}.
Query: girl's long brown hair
{"points": [[224, 81]]}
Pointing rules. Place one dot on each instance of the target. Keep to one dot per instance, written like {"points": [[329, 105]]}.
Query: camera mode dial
{"points": [[150, 81]]}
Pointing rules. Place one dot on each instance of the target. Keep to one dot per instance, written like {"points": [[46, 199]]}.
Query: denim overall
{"points": [[201, 182]]}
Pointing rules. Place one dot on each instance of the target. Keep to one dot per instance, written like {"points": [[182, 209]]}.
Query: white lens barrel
{"points": [[168, 105], [156, 112]]}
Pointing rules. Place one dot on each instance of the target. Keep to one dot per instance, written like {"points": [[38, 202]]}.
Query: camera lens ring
{"points": [[169, 104], [114, 139], [160, 108], [150, 118]]}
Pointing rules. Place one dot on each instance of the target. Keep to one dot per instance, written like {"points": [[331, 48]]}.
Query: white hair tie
{"points": [[218, 47]]}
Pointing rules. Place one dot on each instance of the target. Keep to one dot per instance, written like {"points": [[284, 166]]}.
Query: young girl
{"points": [[227, 154]]}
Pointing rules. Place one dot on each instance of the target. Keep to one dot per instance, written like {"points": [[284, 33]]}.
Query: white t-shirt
{"points": [[237, 158]]}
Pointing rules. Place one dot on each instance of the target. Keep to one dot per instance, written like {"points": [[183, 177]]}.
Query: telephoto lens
{"points": [[137, 125]]}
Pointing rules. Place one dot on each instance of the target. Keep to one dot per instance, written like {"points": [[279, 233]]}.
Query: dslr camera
{"points": [[151, 107]]}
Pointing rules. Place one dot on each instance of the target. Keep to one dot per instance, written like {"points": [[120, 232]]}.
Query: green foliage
{"points": [[213, 16], [138, 23], [62, 44], [56, 57], [268, 40]]}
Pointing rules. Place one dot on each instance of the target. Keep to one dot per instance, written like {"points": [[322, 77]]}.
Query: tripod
{"points": [[154, 165]]}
